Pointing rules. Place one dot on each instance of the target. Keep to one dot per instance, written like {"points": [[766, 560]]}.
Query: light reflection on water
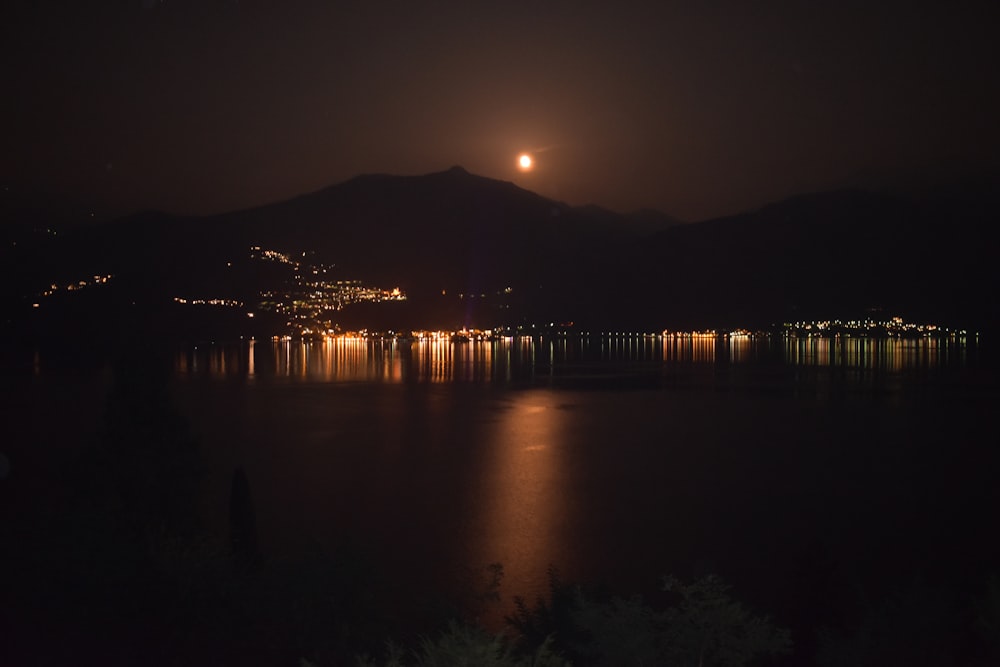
{"points": [[504, 360], [436, 457], [889, 353], [521, 499], [428, 463]]}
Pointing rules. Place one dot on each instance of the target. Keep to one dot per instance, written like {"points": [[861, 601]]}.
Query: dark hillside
{"points": [[473, 251]]}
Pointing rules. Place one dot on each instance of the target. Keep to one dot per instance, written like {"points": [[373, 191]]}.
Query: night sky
{"points": [[698, 109]]}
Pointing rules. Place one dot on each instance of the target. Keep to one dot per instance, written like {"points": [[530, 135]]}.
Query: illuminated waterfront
{"points": [[442, 358]]}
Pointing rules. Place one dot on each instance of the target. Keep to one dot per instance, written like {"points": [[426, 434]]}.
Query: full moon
{"points": [[524, 162]]}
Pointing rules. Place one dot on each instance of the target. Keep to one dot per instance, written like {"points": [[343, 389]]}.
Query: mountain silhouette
{"points": [[473, 251], [833, 254]]}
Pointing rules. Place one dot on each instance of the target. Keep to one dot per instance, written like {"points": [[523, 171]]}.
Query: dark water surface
{"points": [[612, 459], [795, 469]]}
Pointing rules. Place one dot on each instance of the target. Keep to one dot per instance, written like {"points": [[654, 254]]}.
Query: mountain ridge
{"points": [[522, 258]]}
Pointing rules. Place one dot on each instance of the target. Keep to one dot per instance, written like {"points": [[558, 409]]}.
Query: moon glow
{"points": [[525, 162]]}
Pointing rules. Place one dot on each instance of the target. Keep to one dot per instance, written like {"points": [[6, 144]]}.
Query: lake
{"points": [[612, 458], [791, 467]]}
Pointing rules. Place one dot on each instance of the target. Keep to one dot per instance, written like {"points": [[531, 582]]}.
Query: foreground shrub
{"points": [[462, 645]]}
